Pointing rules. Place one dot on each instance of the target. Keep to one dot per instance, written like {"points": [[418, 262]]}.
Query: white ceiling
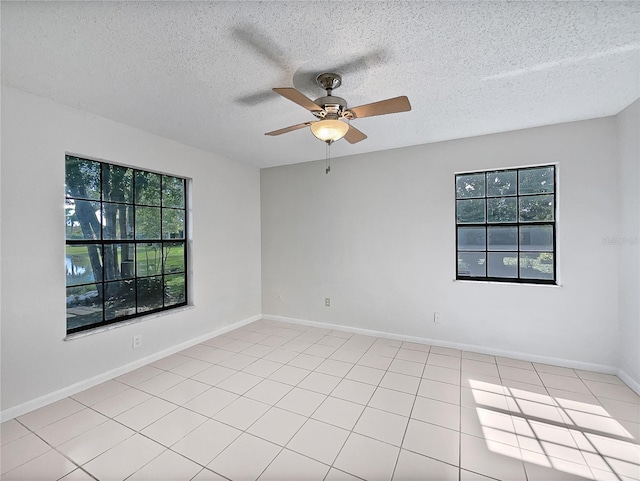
{"points": [[201, 73]]}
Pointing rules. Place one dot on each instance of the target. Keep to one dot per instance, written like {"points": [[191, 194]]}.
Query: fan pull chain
{"points": [[327, 159]]}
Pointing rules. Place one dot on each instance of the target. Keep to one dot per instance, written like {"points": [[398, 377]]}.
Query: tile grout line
{"points": [[406, 428], [52, 448], [344, 377], [513, 426], [302, 333], [359, 417], [460, 429], [241, 395], [245, 431]]}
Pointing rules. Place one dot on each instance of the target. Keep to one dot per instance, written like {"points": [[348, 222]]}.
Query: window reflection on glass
{"points": [[148, 259], [117, 221], [472, 238], [502, 209], [147, 188], [172, 192], [537, 180], [175, 289], [502, 264], [502, 183], [147, 223], [502, 238], [472, 264], [83, 220], [536, 265], [536, 238], [119, 261], [84, 305], [470, 211], [120, 299], [82, 178], [149, 292], [173, 256], [470, 185], [172, 224], [506, 222], [536, 208], [117, 183], [83, 264]]}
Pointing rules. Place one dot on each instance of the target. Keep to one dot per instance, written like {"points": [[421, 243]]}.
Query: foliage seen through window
{"points": [[126, 252], [505, 225]]}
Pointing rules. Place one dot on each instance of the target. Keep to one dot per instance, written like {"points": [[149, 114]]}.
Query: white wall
{"points": [[36, 133], [627, 242], [377, 236]]}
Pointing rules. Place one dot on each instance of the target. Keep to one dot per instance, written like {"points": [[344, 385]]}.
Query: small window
{"points": [[506, 225], [126, 250]]}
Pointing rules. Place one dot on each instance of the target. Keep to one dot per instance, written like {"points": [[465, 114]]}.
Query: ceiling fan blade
{"points": [[305, 77], [389, 106], [289, 129], [376, 57], [262, 44], [299, 98], [353, 135], [255, 99]]}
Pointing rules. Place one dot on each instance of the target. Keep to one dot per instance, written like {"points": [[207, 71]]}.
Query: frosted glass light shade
{"points": [[329, 130]]}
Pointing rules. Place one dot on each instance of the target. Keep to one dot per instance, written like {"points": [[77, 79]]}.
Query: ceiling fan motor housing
{"points": [[332, 107]]}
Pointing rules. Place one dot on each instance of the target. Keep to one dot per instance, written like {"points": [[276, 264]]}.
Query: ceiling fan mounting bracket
{"points": [[329, 81]]}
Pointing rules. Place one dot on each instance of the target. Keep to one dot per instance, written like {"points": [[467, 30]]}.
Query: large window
{"points": [[505, 225], [126, 247]]}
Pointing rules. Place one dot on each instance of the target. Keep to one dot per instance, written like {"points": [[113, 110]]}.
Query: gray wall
{"points": [[627, 242], [36, 133], [377, 236]]}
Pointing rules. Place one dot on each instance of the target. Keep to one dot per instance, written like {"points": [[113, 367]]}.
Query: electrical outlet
{"points": [[327, 302], [437, 317], [280, 296], [136, 341]]}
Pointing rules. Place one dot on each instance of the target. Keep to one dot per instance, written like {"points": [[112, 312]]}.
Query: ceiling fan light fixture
{"points": [[333, 113], [329, 130]]}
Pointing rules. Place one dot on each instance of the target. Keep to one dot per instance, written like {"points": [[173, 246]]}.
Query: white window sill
{"points": [[137, 320], [495, 283]]}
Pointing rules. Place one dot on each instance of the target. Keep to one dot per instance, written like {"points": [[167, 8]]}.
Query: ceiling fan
{"points": [[332, 112]]}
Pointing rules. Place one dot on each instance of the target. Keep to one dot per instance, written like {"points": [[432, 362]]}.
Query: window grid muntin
{"points": [[518, 223], [101, 243]]}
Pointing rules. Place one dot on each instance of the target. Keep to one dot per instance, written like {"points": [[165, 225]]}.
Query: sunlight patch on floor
{"points": [[573, 437]]}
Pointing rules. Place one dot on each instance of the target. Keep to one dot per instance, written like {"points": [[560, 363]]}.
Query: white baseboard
{"points": [[629, 381], [41, 401], [455, 345]]}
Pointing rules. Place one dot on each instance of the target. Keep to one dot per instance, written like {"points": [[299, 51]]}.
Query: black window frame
{"points": [[129, 239], [518, 224]]}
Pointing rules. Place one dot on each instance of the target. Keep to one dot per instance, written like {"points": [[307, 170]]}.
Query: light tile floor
{"points": [[276, 401]]}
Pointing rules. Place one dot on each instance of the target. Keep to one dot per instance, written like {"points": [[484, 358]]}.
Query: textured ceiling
{"points": [[201, 73]]}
